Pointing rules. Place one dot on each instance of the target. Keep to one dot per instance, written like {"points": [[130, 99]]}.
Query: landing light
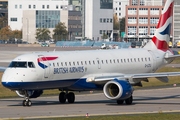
{"points": [[90, 80]]}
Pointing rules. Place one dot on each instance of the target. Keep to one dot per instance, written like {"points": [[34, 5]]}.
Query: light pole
{"points": [[27, 28]]}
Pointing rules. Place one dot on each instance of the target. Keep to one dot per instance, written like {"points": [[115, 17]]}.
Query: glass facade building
{"points": [[106, 4], [47, 19]]}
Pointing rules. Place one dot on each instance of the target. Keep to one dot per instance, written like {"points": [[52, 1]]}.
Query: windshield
{"points": [[19, 64]]}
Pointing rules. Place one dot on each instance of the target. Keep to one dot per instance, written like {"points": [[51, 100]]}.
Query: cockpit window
{"points": [[31, 65], [18, 64]]}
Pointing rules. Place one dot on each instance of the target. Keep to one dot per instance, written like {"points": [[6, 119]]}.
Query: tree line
{"points": [[60, 33], [42, 34]]}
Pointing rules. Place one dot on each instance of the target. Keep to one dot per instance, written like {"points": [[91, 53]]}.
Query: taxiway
{"points": [[95, 104]]}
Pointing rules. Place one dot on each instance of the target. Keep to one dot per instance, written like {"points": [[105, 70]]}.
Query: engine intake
{"points": [[31, 93], [118, 89]]}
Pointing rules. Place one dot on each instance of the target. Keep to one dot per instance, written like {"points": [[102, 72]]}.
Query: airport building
{"points": [[97, 18], [119, 7], [176, 26], [28, 15], [74, 25], [3, 4], [142, 17]]}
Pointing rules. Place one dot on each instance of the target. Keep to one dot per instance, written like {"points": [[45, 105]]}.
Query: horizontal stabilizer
{"points": [[172, 56]]}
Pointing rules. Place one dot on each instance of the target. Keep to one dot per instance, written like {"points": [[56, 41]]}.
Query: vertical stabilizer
{"points": [[163, 30]]}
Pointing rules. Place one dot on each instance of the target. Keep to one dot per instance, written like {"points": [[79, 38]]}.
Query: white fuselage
{"points": [[69, 67]]}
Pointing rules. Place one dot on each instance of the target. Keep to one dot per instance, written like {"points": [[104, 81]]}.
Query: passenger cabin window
{"points": [[102, 61], [93, 62], [77, 63], [74, 63], [66, 63], [70, 63], [31, 65], [85, 62], [58, 64], [53, 64], [145, 59], [81, 62], [118, 60], [62, 64], [149, 59], [142, 59], [134, 59], [107, 61], [90, 62], [17, 64]]}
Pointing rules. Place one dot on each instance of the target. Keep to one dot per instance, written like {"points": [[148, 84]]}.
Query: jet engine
{"points": [[31, 93], [118, 90]]}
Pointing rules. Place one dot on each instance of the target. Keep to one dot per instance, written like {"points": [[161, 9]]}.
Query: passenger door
{"points": [[45, 65]]}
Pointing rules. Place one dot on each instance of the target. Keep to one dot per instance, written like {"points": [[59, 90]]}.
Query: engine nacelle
{"points": [[118, 90], [31, 93]]}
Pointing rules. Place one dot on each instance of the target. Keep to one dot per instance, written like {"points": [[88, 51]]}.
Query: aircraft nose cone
{"points": [[6, 78], [6, 84]]}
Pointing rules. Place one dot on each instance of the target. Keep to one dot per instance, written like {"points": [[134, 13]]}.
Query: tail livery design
{"points": [[163, 30]]}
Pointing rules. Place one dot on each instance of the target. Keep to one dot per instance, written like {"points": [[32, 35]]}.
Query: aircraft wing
{"points": [[132, 77], [2, 68], [149, 75]]}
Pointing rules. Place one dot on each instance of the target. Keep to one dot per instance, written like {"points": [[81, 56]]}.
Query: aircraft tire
{"points": [[120, 102], [62, 97], [71, 97], [29, 103], [129, 100], [24, 102]]}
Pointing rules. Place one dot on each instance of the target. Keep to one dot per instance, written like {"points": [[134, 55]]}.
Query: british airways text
{"points": [[65, 70]]}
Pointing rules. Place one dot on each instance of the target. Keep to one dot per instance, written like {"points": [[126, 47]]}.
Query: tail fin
{"points": [[163, 30]]}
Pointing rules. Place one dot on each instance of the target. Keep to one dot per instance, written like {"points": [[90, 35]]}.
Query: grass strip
{"points": [[160, 116]]}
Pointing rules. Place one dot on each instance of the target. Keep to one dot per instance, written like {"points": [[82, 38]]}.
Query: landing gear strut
{"points": [[69, 96], [27, 102]]}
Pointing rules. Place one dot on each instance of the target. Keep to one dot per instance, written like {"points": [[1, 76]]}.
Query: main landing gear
{"points": [[66, 96], [128, 101], [26, 102]]}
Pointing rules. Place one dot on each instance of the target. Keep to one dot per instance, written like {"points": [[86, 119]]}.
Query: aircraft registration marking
{"points": [[147, 65]]}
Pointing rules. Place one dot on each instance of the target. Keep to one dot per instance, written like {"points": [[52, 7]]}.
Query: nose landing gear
{"points": [[26, 102]]}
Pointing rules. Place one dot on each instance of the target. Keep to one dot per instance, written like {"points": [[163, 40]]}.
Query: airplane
{"points": [[114, 71]]}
